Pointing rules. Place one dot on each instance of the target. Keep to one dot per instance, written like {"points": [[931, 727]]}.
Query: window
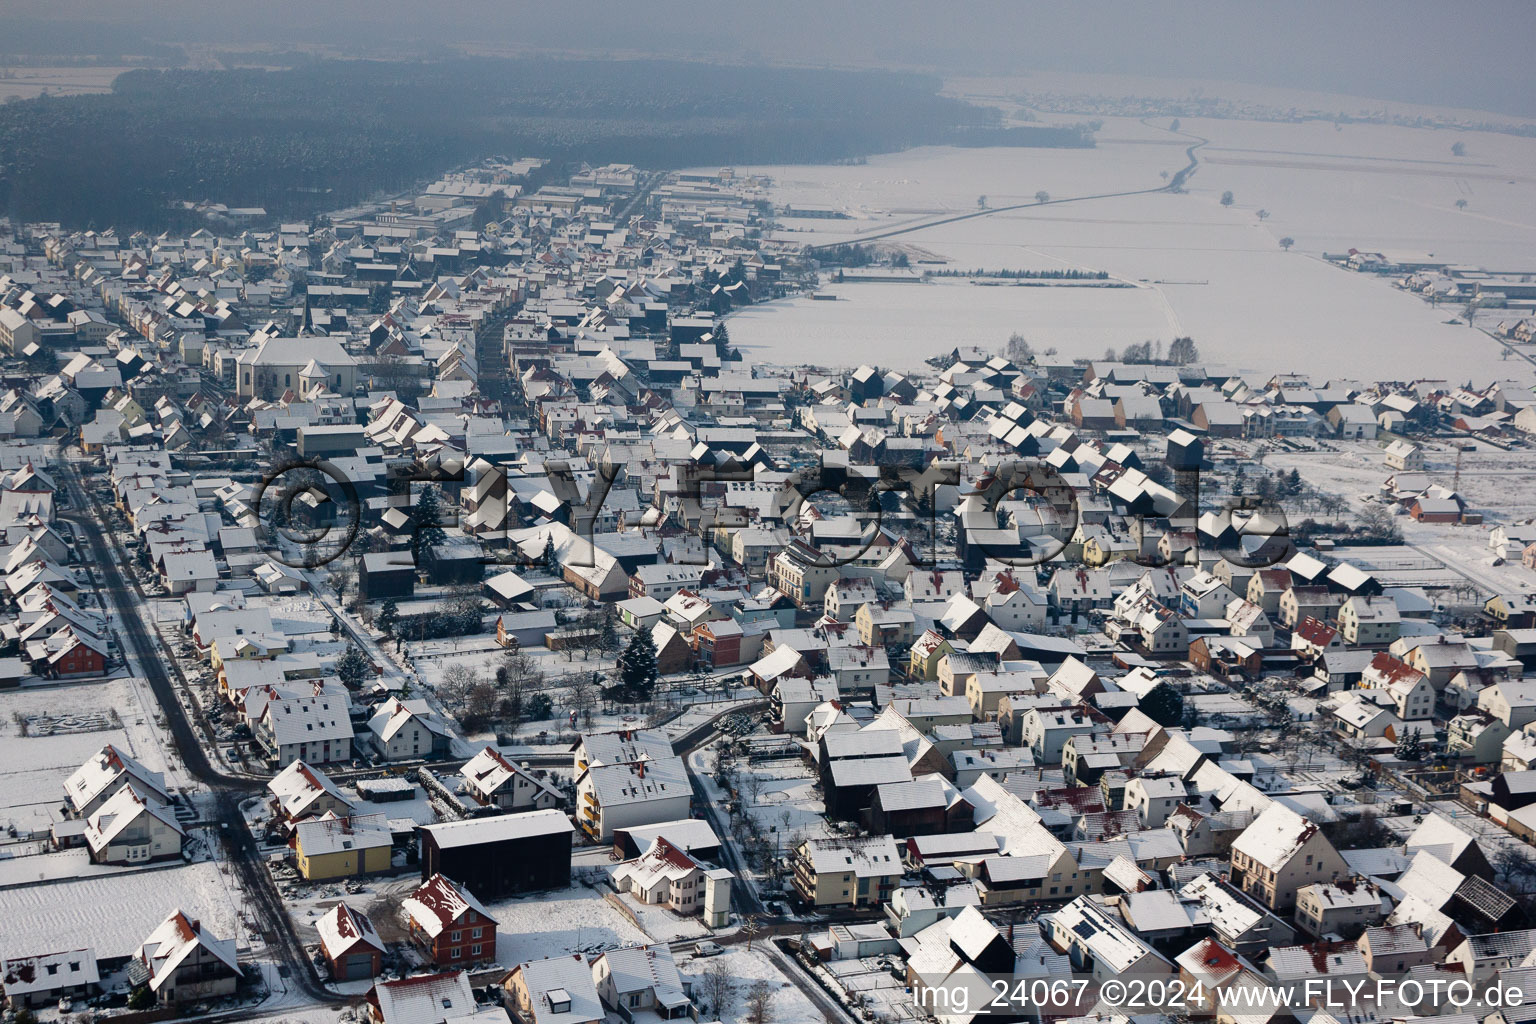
{"points": [[477, 933], [453, 954], [455, 937], [474, 950]]}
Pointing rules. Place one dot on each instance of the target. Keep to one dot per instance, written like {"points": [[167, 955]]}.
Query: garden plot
{"points": [[782, 796], [745, 967], [46, 733]]}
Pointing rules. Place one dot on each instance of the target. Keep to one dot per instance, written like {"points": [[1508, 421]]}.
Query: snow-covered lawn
{"points": [[662, 924], [548, 924], [113, 914]]}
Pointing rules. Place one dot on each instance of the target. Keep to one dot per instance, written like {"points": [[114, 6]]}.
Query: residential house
{"points": [[448, 924]]}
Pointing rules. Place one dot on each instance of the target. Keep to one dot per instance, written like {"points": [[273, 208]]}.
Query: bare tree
{"points": [[582, 698], [515, 676], [341, 578], [760, 1002], [752, 788], [719, 990], [479, 705], [1517, 863], [457, 682], [750, 928]]}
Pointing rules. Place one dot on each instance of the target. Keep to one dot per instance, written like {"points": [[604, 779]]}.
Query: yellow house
{"points": [[879, 626], [847, 872], [329, 847], [925, 654], [1100, 551]]}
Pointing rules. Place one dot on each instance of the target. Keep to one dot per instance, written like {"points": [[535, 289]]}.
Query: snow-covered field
{"points": [[931, 318], [113, 914], [1216, 273]]}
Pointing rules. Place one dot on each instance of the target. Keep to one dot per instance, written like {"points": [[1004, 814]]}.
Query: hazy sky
{"points": [[1474, 53]]}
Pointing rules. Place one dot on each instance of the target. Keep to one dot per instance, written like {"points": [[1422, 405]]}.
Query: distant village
{"points": [[428, 614]]}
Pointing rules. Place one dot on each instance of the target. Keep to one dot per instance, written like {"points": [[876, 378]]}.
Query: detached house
{"points": [[448, 924], [100, 778], [181, 963], [1278, 854], [1366, 621], [641, 980], [669, 876], [402, 730], [133, 828], [493, 781]]}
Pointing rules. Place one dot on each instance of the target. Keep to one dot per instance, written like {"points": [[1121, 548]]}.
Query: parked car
{"points": [[708, 949]]}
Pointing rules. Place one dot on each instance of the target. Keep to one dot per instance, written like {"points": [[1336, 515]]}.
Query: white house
{"points": [[611, 796], [182, 963], [407, 729], [132, 828], [494, 781]]}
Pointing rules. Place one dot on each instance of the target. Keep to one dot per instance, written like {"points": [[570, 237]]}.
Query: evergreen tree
{"points": [[353, 667], [550, 561], [426, 516], [388, 616], [608, 633], [1410, 747], [637, 665], [1164, 705]]}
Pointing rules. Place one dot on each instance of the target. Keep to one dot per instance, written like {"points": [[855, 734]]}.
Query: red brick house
{"points": [[718, 644], [350, 944], [448, 924]]}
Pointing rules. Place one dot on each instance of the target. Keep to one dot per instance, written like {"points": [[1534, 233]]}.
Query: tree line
{"points": [[323, 134]]}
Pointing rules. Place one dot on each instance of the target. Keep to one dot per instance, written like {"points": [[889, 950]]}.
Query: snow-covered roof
{"points": [[426, 999], [297, 786], [176, 939], [26, 975], [1274, 837], [499, 828], [332, 834], [438, 902], [341, 928], [110, 767], [561, 981]]}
